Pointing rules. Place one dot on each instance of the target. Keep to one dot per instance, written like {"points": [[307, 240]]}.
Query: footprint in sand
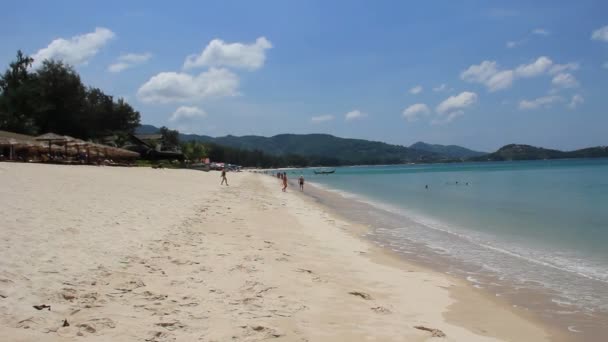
{"points": [[94, 325]]}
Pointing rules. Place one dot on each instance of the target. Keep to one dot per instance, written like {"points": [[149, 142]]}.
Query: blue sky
{"points": [[475, 73]]}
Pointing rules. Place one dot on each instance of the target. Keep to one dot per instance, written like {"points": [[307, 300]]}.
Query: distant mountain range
{"points": [[324, 147], [452, 151], [331, 150]]}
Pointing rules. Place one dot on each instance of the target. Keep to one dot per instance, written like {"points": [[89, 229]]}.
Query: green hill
{"points": [[448, 151], [322, 149], [325, 149], [527, 152]]}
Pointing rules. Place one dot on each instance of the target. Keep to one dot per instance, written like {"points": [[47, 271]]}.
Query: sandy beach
{"points": [[138, 254]]}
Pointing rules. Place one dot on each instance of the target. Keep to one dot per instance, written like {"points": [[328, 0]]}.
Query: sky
{"points": [[481, 74]]}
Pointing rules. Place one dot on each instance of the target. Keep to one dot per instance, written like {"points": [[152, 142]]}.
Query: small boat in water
{"points": [[324, 172]]}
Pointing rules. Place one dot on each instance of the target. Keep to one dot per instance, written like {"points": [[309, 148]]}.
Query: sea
{"points": [[534, 232]]}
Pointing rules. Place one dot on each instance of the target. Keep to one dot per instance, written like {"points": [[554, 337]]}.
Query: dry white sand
{"points": [[136, 254]]}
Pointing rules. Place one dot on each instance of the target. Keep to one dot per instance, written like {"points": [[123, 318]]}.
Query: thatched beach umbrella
{"points": [[53, 138], [10, 142]]}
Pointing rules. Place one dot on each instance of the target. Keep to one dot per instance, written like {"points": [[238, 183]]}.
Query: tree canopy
{"points": [[53, 98]]}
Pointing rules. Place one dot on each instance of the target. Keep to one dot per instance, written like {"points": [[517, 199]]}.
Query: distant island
{"points": [[329, 150], [527, 152]]}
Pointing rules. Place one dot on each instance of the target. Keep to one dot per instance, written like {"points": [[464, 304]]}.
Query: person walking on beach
{"points": [[284, 181], [301, 181], [224, 179]]}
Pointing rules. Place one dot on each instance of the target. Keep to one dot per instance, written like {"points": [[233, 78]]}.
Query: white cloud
{"points": [[541, 32], [600, 34], [605, 65], [76, 50], [413, 112], [236, 55], [480, 73], [576, 100], [536, 32], [501, 80], [168, 87], [441, 87], [321, 118], [457, 103], [545, 101], [514, 43], [558, 68], [538, 67], [187, 113], [564, 80], [416, 90], [489, 74], [354, 115], [447, 118], [129, 60]]}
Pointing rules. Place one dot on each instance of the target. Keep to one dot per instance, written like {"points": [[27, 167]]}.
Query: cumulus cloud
{"points": [[447, 118], [600, 34], [236, 55], [321, 118], [501, 80], [480, 73], [538, 67], [187, 113], [494, 78], [127, 61], [413, 112], [576, 100], [564, 80], [416, 90], [76, 50], [167, 87], [454, 104], [545, 101], [354, 115], [558, 68]]}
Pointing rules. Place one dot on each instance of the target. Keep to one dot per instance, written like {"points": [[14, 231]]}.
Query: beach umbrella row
{"points": [[62, 143]]}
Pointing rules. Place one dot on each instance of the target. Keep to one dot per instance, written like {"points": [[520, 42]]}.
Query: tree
{"points": [[194, 150], [124, 117], [54, 99], [98, 112], [170, 138], [16, 96], [61, 101]]}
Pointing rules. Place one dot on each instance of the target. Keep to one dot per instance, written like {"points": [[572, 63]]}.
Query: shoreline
{"points": [[161, 255], [561, 321], [470, 305]]}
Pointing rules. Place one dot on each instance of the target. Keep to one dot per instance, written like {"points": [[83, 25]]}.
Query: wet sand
{"points": [[564, 321]]}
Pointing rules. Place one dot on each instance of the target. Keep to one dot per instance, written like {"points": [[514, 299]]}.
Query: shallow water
{"points": [[512, 227]]}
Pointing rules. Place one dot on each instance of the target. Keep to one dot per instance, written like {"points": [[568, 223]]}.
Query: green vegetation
{"points": [[195, 151], [325, 149], [527, 152], [305, 150], [54, 99], [451, 151]]}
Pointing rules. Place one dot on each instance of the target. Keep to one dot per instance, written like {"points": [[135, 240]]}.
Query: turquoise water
{"points": [[533, 222]]}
